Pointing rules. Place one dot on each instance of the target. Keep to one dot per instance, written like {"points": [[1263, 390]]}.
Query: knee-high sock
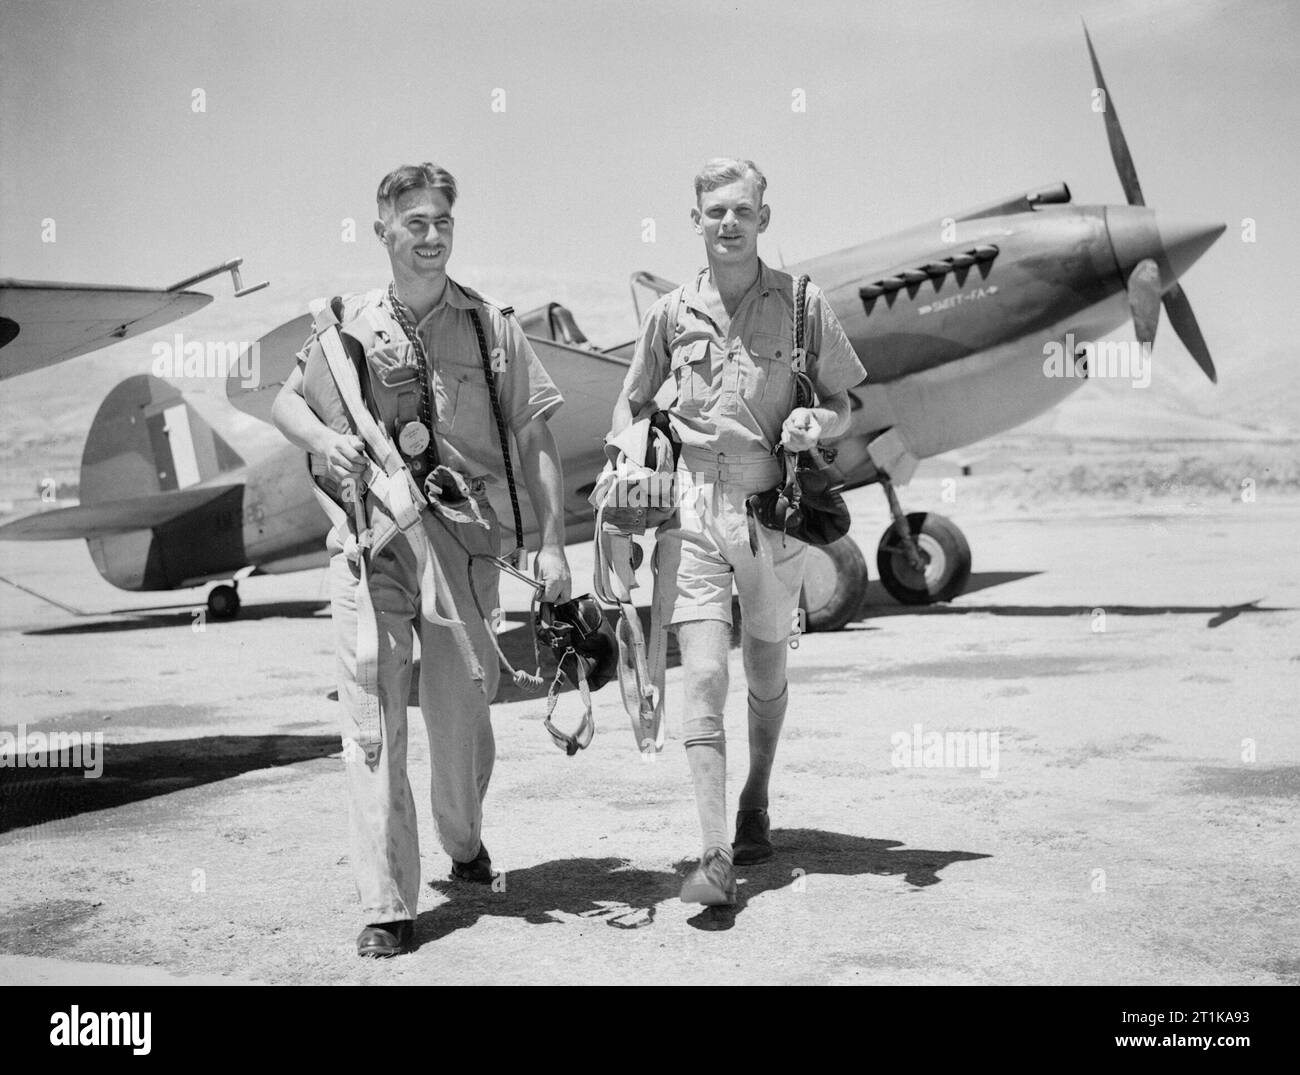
{"points": [[706, 751], [766, 716]]}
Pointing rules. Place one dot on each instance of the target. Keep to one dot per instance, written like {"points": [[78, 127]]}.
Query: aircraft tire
{"points": [[223, 602], [835, 577], [948, 570]]}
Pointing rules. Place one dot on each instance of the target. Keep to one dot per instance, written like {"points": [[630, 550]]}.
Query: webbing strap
{"points": [[663, 570], [613, 581], [404, 498], [532, 680], [580, 738], [502, 435], [370, 718]]}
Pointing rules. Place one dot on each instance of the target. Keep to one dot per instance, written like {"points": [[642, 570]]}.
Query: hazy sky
{"points": [[913, 110]]}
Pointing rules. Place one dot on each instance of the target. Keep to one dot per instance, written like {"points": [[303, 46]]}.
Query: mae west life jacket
{"points": [[389, 371]]}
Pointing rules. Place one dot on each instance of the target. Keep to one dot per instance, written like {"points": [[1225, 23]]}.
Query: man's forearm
{"points": [[544, 478], [622, 417], [833, 416], [297, 422]]}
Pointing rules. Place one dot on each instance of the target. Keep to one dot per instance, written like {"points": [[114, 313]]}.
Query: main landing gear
{"points": [[922, 559]]}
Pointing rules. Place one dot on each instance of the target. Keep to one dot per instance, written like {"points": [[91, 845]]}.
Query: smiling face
{"points": [[731, 218], [418, 234]]}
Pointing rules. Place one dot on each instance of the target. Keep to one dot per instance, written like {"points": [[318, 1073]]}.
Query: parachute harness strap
{"points": [[640, 681], [581, 737], [529, 680]]}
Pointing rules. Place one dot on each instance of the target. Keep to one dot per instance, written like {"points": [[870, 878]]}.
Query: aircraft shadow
{"points": [[1219, 614], [608, 890], [136, 771], [183, 616]]}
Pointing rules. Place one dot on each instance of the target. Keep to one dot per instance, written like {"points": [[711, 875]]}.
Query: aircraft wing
{"points": [[111, 517], [42, 324], [590, 382]]}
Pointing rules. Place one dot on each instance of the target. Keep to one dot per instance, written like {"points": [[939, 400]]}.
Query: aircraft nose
{"points": [[1173, 242], [1185, 240]]}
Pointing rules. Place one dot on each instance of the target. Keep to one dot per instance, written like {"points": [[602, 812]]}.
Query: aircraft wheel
{"points": [[948, 561], [223, 602], [834, 577]]}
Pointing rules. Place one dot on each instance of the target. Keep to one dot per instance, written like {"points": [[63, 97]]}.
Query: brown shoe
{"points": [[386, 939], [753, 842], [712, 882]]}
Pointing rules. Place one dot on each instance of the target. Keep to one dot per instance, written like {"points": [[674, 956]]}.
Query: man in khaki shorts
{"points": [[726, 340]]}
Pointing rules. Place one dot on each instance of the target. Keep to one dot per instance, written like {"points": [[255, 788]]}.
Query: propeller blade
{"points": [[1181, 317], [1115, 134], [1144, 299]]}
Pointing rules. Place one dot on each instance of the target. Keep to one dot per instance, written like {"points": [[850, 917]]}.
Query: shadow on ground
{"points": [[877, 603], [517, 645], [610, 890], [147, 619], [135, 771]]}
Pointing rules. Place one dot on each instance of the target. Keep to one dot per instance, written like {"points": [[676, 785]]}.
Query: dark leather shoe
{"points": [[478, 869], [712, 882], [753, 842], [386, 939]]}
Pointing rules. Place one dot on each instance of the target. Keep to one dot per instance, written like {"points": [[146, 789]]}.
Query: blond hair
{"points": [[720, 171]]}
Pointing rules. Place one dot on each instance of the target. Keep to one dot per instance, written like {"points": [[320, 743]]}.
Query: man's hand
{"points": [[345, 455], [553, 569], [801, 431]]}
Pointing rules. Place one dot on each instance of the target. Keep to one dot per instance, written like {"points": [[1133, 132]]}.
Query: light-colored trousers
{"points": [[454, 697]]}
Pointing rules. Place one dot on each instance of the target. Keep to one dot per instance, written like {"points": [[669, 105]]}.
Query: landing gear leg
{"points": [[916, 559], [922, 558]]}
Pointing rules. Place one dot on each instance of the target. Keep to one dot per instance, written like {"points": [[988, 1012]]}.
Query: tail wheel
{"points": [[223, 602], [947, 557], [835, 577]]}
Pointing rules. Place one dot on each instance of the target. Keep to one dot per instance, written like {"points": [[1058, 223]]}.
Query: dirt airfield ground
{"points": [[1140, 827]]}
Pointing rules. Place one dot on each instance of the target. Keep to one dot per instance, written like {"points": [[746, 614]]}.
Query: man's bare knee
{"points": [[704, 645], [764, 666]]}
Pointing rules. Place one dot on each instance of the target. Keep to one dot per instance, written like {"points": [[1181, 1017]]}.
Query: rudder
{"points": [[147, 439]]}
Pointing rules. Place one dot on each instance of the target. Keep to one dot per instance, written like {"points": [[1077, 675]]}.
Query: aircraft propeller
{"points": [[1144, 291]]}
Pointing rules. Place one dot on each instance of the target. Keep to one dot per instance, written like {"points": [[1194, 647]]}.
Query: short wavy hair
{"points": [[720, 171], [426, 176]]}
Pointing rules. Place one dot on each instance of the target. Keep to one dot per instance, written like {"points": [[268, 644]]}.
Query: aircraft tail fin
{"points": [[154, 511], [147, 439]]}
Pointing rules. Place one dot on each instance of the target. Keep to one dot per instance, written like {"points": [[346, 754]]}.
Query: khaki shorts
{"points": [[699, 558]]}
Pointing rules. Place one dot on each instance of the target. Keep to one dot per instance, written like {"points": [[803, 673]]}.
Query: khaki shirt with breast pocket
{"points": [[735, 389]]}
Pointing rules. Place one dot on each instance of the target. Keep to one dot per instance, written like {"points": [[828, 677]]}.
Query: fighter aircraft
{"points": [[952, 319]]}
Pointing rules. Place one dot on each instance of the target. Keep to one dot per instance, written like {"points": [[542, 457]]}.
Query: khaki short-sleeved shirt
{"points": [[735, 389], [466, 427]]}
